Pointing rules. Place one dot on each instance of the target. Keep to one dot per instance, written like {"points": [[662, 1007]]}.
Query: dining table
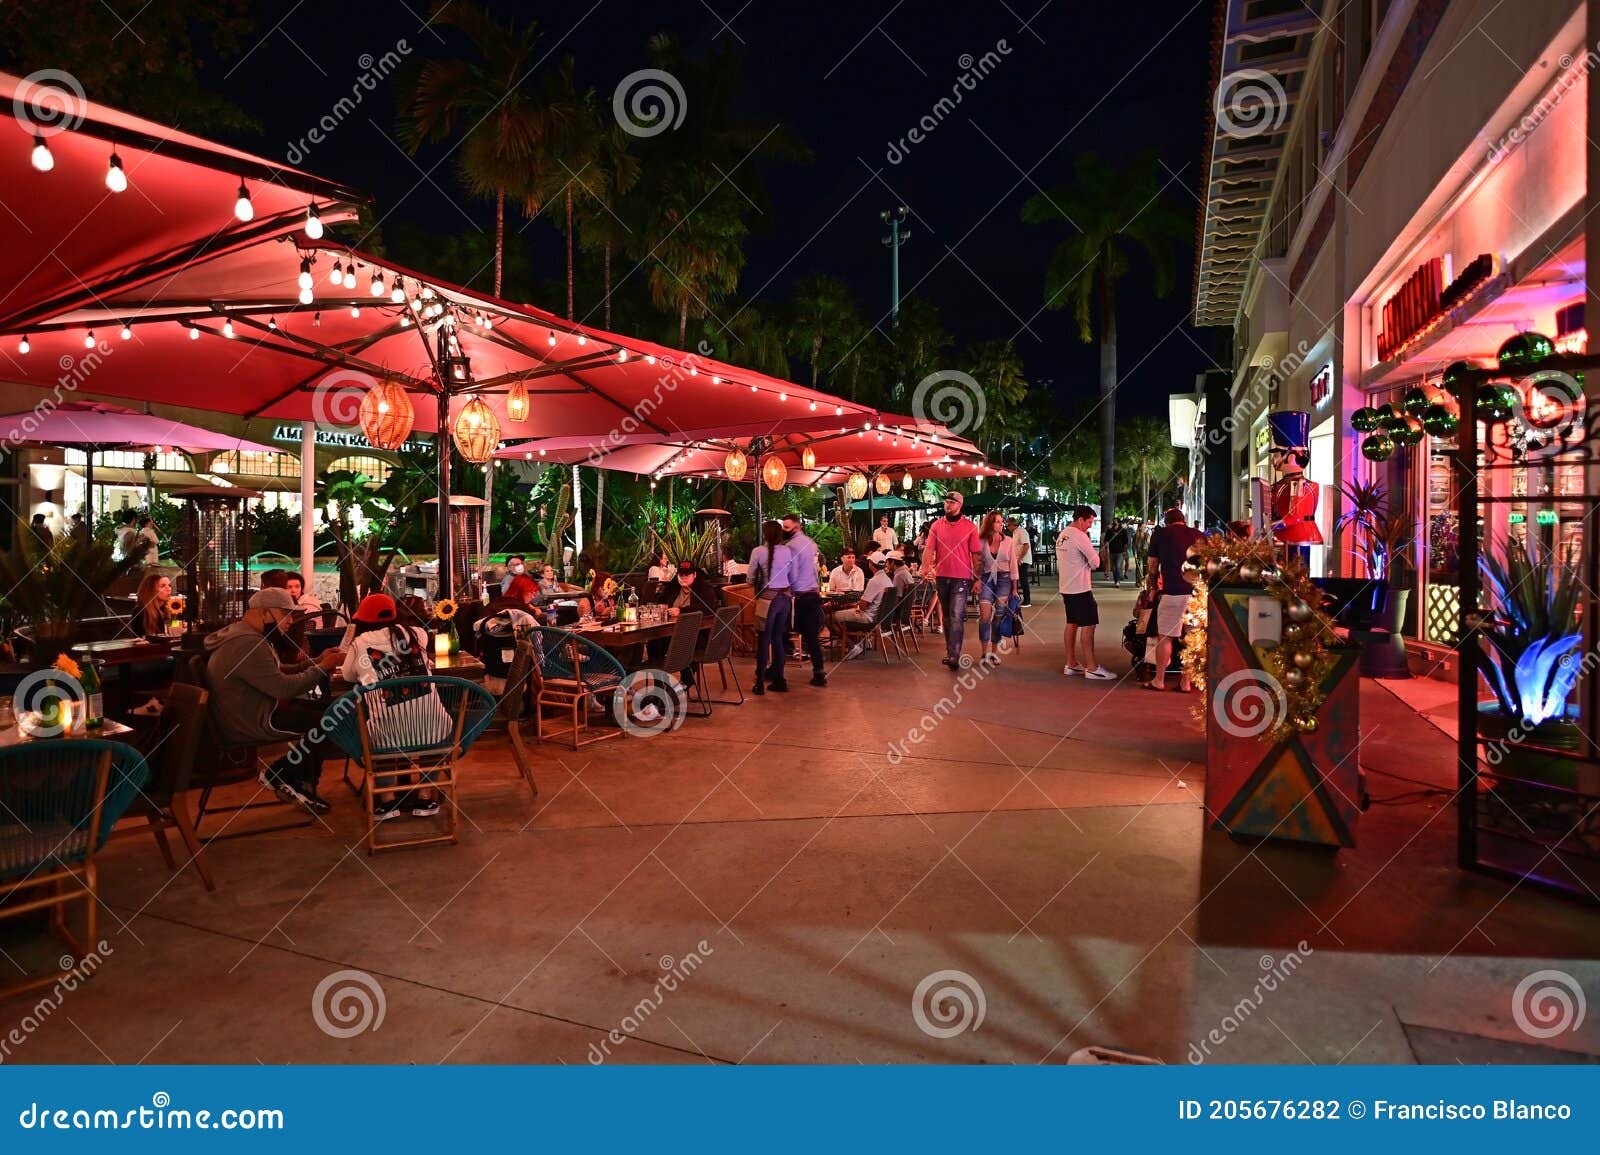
{"points": [[144, 650], [18, 734], [620, 638]]}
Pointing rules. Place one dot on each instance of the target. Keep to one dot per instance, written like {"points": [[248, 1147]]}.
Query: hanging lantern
{"points": [[517, 402], [774, 473], [477, 432], [905, 481], [882, 484], [737, 465], [386, 415], [857, 486], [808, 458]]}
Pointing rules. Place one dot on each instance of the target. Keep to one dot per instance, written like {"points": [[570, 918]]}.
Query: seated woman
{"points": [[150, 605], [598, 602], [296, 585], [662, 572]]}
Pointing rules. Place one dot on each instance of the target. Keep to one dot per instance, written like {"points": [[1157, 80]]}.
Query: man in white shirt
{"points": [[1022, 546], [885, 536], [865, 611], [1076, 561], [847, 576]]}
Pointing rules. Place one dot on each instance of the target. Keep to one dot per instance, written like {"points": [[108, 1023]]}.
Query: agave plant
{"points": [[1383, 536], [51, 588], [1533, 600]]}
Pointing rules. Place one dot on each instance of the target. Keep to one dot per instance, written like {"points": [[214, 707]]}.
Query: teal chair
{"points": [[59, 800], [573, 672], [407, 733]]}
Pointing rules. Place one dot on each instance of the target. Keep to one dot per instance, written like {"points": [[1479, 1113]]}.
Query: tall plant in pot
{"points": [[50, 589], [1531, 636], [1382, 537]]}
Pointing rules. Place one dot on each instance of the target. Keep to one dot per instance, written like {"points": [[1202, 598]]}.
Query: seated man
{"points": [[516, 565], [255, 699], [847, 576], [522, 587], [898, 572], [688, 590], [865, 612]]}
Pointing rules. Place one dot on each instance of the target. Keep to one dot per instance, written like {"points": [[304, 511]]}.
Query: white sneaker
{"points": [[1071, 671], [856, 651], [649, 712], [1100, 674]]}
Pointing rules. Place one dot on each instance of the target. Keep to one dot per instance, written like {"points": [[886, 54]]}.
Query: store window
{"points": [[374, 467], [130, 459], [256, 463]]}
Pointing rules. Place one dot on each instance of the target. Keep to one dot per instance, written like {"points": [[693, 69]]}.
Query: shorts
{"points": [[1081, 609], [1169, 614]]}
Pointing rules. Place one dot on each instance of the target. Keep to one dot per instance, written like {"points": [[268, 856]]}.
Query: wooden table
{"points": [[14, 735], [118, 691], [616, 638]]}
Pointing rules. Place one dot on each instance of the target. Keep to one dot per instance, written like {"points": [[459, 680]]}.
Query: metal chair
{"points": [[407, 734], [58, 802], [875, 633], [521, 687], [904, 631], [924, 604], [717, 650], [162, 803], [573, 672]]}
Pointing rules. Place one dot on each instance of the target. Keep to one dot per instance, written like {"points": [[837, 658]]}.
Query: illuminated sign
{"points": [[1422, 301], [335, 438], [1545, 517], [1322, 387]]}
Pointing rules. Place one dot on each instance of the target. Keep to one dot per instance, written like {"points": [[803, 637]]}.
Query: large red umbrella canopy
{"points": [[313, 360], [107, 426], [71, 240]]}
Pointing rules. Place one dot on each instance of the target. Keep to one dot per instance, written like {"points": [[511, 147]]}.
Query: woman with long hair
{"points": [[150, 604], [771, 566], [1000, 573]]}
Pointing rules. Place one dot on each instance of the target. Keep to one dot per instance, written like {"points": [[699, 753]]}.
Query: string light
{"points": [[355, 310], [127, 331], [715, 380], [582, 340], [813, 407], [376, 288], [42, 160], [551, 340], [242, 208], [337, 275], [622, 355], [397, 292], [88, 339], [350, 276], [22, 345], [116, 178], [227, 329], [649, 359], [194, 333], [416, 304], [305, 296], [272, 323], [305, 273], [313, 223]]}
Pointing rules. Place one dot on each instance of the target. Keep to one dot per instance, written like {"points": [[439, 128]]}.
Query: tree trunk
{"points": [[683, 322], [599, 500], [571, 312], [1108, 398], [816, 356], [499, 237], [1144, 490], [608, 286], [488, 520]]}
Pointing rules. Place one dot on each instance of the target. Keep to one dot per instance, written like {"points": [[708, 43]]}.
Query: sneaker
{"points": [[423, 807], [780, 687], [1100, 674], [1071, 671], [758, 689], [819, 679], [393, 806], [856, 651], [301, 795], [649, 712]]}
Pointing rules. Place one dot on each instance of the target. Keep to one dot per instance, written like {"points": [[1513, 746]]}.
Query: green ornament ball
{"points": [[1497, 402], [1378, 447], [1415, 401], [1364, 420], [1455, 375], [1524, 351], [1440, 421], [1386, 413], [1409, 432]]}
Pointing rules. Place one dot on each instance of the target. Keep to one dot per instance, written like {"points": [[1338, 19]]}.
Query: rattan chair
{"points": [[162, 803], [574, 672], [58, 802], [717, 650], [408, 734]]}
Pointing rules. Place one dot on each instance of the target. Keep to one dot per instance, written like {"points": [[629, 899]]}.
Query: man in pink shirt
{"points": [[952, 557]]}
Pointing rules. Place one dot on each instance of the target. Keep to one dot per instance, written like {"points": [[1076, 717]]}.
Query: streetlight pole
{"points": [[898, 233]]}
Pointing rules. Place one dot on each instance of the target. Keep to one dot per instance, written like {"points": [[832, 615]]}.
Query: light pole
{"points": [[898, 233]]}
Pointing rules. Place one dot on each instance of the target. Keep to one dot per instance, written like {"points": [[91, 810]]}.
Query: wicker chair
{"points": [[717, 650], [742, 597], [573, 672], [58, 802], [162, 803], [410, 728]]}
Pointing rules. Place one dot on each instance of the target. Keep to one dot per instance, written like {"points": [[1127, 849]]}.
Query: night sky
{"points": [[849, 79]]}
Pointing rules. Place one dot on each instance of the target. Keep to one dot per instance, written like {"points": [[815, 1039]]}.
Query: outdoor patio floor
{"points": [[1046, 839]]}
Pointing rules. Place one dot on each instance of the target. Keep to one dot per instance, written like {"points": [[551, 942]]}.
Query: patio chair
{"points": [[742, 597], [924, 605], [58, 802], [681, 647], [521, 686], [717, 650], [409, 734], [905, 634], [162, 803], [876, 633], [573, 673]]}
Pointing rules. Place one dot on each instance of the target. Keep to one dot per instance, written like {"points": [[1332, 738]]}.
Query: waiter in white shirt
{"points": [[885, 536]]}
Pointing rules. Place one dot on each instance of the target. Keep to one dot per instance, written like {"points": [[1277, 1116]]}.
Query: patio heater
{"points": [[464, 526], [214, 544], [718, 519]]}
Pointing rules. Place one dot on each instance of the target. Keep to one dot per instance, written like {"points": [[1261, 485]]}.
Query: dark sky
{"points": [[849, 79]]}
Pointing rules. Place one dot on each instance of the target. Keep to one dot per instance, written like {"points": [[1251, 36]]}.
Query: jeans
{"points": [[953, 606], [808, 623], [1025, 569], [773, 644], [996, 592], [302, 762], [1119, 567]]}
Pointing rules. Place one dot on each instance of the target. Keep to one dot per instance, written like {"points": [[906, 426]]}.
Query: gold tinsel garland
{"points": [[1301, 662]]}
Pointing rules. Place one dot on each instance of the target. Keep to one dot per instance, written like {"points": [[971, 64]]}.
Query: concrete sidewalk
{"points": [[773, 885]]}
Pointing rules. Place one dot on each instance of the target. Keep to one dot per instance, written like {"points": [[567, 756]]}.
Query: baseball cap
{"points": [[376, 610], [895, 555], [271, 599]]}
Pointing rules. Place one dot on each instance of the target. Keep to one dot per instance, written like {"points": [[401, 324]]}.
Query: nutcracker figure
{"points": [[1294, 498]]}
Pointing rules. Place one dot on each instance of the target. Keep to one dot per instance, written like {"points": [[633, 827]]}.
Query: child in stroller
{"points": [[1139, 635]]}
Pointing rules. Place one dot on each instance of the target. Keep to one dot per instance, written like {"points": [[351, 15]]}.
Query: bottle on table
{"points": [[94, 706]]}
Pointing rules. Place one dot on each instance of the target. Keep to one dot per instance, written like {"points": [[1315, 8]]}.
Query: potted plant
{"points": [[49, 590], [1530, 636], [1382, 538]]}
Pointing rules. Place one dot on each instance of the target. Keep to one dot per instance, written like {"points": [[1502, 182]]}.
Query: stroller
{"points": [[1139, 639]]}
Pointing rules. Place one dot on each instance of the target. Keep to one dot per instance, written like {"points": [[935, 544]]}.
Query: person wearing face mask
{"points": [[522, 587], [952, 558], [515, 564], [805, 583], [256, 700]]}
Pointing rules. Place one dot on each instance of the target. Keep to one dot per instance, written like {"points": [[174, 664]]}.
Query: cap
{"points": [[271, 599], [376, 610], [876, 557], [895, 555], [686, 567], [956, 496]]}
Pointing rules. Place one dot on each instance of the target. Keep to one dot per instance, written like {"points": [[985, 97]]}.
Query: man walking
{"points": [[1169, 546], [1076, 561], [1118, 544], [1022, 546], [804, 579], [953, 559]]}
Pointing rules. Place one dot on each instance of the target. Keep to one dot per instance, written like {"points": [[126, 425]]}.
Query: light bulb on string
{"points": [[376, 287], [305, 296], [649, 359], [622, 355], [305, 273], [127, 331], [313, 223], [350, 276], [551, 340], [22, 345], [194, 332], [42, 159], [242, 208], [272, 323], [355, 310], [227, 329], [337, 275], [88, 339], [416, 304], [582, 340], [397, 293], [116, 177]]}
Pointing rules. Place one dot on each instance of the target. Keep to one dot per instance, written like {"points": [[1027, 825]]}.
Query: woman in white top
{"points": [[663, 570], [999, 575]]}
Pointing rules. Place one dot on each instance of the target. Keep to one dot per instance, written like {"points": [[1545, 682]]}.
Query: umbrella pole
{"points": [[441, 441], [308, 476], [88, 478]]}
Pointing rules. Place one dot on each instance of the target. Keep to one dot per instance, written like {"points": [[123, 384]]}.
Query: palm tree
{"points": [[695, 248], [1145, 448], [1112, 211], [920, 342], [996, 367], [749, 339], [568, 154], [612, 173], [823, 313], [501, 122]]}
